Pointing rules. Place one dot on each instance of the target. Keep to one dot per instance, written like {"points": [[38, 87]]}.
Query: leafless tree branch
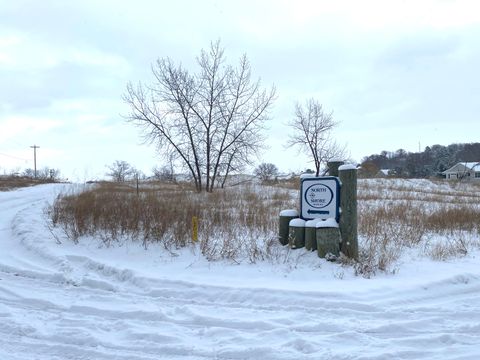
{"points": [[212, 119], [312, 128]]}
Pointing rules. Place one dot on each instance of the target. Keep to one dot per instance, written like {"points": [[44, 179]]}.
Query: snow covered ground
{"points": [[64, 301]]}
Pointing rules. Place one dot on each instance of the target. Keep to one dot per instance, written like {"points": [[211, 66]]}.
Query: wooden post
{"points": [[348, 205], [333, 167], [194, 229]]}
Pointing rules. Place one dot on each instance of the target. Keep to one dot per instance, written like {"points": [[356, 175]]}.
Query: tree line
{"points": [[429, 163]]}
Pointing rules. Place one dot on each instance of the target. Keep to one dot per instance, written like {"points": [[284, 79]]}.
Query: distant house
{"points": [[463, 170]]}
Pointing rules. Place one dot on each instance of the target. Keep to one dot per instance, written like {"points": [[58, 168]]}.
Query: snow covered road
{"points": [[61, 301]]}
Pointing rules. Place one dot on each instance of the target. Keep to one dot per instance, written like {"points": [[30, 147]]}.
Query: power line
{"points": [[13, 157]]}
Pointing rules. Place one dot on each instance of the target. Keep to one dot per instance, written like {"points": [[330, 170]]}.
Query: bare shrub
{"points": [[385, 231], [236, 224], [451, 248], [267, 172]]}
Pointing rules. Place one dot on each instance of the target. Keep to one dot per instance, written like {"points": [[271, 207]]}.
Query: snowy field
{"points": [[64, 301]]}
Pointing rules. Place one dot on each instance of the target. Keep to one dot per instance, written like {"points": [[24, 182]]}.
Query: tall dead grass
{"points": [[241, 223], [237, 224], [395, 217]]}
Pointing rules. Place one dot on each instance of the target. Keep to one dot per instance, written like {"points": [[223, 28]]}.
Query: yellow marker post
{"points": [[194, 228]]}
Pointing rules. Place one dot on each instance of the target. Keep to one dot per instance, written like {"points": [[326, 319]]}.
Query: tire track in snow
{"points": [[212, 320]]}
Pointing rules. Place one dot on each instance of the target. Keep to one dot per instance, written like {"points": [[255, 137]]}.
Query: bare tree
{"points": [[210, 120], [164, 173], [120, 171], [28, 173], [266, 172], [48, 174], [312, 128], [45, 173]]}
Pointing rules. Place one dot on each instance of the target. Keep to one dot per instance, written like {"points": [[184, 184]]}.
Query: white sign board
{"points": [[320, 198]]}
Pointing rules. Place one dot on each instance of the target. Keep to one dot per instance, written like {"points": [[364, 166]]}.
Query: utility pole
{"points": [[35, 147]]}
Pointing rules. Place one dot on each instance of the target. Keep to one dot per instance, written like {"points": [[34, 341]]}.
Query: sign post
{"points": [[194, 229], [320, 198], [348, 221]]}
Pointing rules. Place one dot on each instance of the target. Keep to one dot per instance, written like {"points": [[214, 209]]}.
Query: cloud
{"points": [[21, 51], [381, 66], [421, 50], [37, 72]]}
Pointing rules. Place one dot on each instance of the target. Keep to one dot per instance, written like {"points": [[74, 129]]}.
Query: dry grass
{"points": [[398, 215], [456, 245], [292, 183], [384, 232], [237, 224], [396, 218], [419, 190], [13, 182]]}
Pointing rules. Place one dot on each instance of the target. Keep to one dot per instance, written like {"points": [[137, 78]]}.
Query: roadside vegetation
{"points": [[238, 223], [398, 219], [11, 182], [401, 218]]}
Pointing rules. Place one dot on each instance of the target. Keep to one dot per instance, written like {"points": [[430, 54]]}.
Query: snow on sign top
{"points": [[312, 223], [329, 223], [347, 167], [320, 198], [297, 223], [289, 212]]}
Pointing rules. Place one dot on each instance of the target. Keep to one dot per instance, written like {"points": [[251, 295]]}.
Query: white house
{"points": [[463, 170]]}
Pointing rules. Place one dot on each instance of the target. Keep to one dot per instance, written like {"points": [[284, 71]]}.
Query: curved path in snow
{"points": [[56, 303]]}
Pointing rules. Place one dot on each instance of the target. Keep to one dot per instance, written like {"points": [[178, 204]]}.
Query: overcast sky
{"points": [[397, 74]]}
